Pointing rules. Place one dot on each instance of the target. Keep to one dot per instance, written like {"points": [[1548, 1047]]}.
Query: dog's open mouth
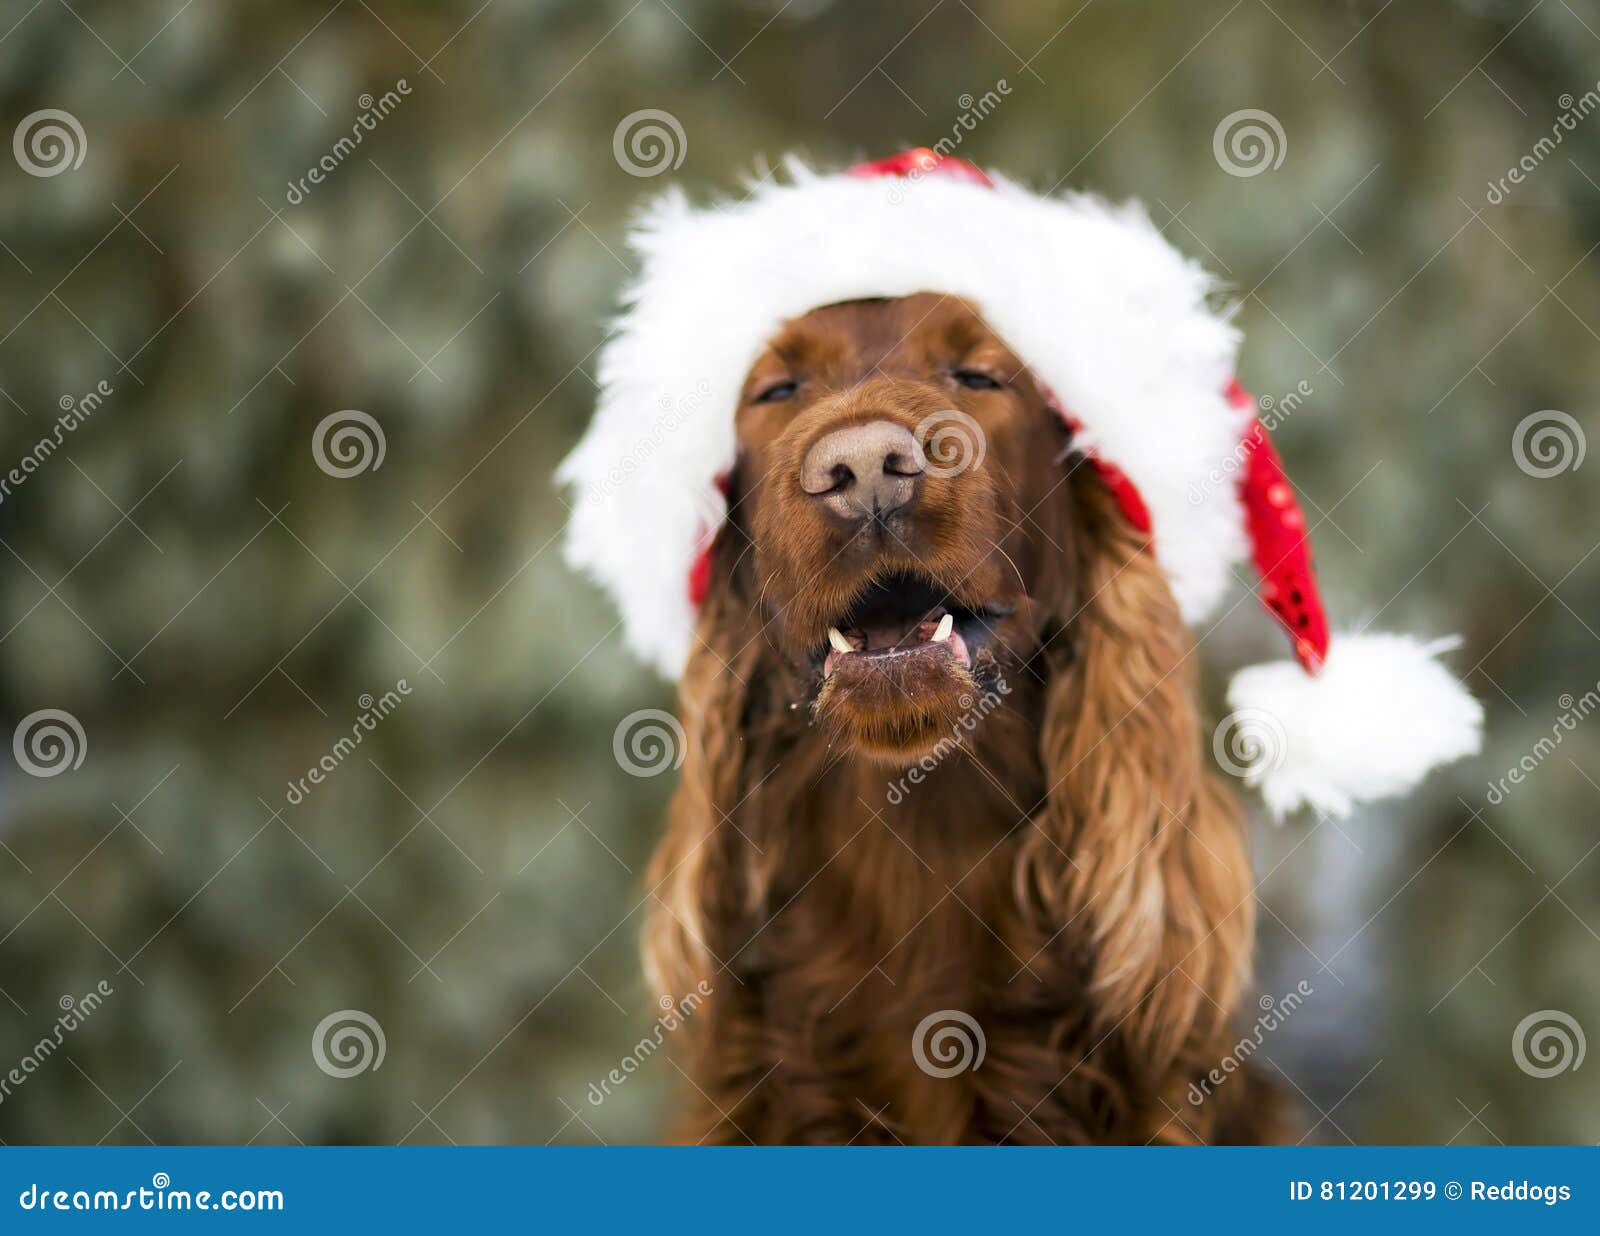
{"points": [[905, 616]]}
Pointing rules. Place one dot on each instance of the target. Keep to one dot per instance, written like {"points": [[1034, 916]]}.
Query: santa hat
{"points": [[1112, 320]]}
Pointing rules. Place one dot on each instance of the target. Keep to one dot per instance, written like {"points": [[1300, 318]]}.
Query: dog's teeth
{"points": [[838, 641], [942, 631]]}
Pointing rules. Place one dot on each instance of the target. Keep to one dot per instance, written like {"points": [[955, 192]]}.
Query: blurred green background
{"points": [[213, 608]]}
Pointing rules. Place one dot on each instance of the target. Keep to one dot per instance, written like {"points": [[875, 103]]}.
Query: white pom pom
{"points": [[1378, 716]]}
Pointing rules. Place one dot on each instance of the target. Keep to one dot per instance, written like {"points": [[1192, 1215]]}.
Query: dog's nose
{"points": [[864, 470]]}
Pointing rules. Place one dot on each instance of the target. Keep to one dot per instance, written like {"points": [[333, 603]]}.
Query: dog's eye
{"points": [[778, 393], [975, 380]]}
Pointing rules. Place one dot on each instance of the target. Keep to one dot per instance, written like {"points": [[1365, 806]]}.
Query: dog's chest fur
{"points": [[894, 909]]}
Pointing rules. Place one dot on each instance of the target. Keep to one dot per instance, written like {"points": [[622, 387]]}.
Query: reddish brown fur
{"points": [[1071, 874]]}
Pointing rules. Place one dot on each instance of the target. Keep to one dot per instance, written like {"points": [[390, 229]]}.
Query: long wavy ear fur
{"points": [[1157, 886], [695, 883], [700, 879]]}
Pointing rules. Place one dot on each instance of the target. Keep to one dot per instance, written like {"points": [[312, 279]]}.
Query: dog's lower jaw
{"points": [[900, 731]]}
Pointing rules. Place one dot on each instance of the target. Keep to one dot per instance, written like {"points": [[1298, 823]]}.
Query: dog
{"points": [[951, 469], [947, 845]]}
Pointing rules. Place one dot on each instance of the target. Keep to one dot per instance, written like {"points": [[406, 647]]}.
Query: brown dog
{"points": [[946, 845]]}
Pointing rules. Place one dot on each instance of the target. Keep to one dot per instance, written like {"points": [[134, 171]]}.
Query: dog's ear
{"points": [[693, 877], [1140, 854]]}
